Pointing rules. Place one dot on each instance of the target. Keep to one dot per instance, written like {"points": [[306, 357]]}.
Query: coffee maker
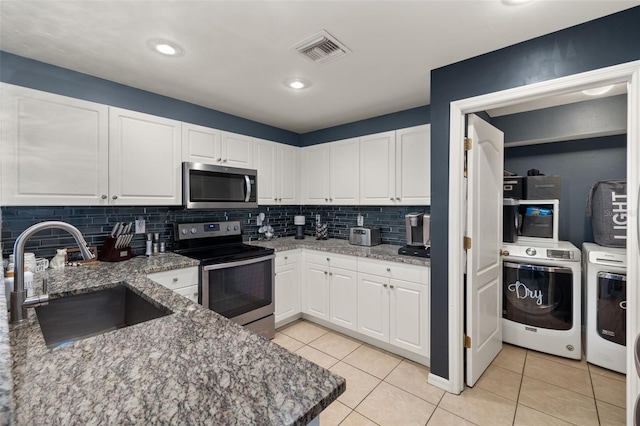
{"points": [[418, 227]]}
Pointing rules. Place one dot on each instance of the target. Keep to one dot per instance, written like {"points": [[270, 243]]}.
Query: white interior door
{"points": [[484, 226]]}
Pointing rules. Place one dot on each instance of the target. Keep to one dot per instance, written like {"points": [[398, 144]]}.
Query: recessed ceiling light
{"points": [[165, 47], [598, 90], [515, 2], [296, 83]]}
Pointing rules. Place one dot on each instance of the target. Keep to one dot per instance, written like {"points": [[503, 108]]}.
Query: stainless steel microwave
{"points": [[206, 186]]}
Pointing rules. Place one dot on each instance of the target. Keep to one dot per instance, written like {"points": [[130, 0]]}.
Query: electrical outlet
{"points": [[140, 226]]}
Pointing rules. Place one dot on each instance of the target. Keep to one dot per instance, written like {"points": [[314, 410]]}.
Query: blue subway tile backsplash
{"points": [[95, 223]]}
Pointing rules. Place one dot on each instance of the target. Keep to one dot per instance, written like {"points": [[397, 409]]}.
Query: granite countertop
{"points": [[380, 252], [190, 367]]}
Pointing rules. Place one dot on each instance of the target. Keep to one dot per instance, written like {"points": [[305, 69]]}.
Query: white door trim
{"points": [[630, 73]]}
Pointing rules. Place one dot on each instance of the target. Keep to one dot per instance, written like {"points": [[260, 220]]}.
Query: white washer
{"points": [[605, 274], [542, 297]]}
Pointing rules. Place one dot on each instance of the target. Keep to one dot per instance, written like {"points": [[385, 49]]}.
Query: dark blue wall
{"points": [[383, 123], [580, 164], [599, 117], [49, 78], [611, 40]]}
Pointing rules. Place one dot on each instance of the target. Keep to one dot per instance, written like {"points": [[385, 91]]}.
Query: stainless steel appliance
{"points": [[418, 235], [365, 236], [206, 186], [236, 279]]}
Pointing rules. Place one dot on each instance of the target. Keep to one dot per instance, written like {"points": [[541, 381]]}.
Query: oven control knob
{"points": [[184, 231], [235, 227], [531, 251], [228, 227], [194, 230]]}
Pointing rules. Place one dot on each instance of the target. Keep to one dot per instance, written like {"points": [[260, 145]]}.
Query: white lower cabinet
{"points": [[183, 281], [374, 300], [330, 288], [287, 286], [393, 304]]}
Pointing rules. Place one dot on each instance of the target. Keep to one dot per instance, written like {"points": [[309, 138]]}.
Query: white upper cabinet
{"points": [[277, 166], [316, 174], [413, 165], [236, 151], [378, 169], [210, 146], [331, 173], [201, 144], [395, 167], [54, 149], [144, 159]]}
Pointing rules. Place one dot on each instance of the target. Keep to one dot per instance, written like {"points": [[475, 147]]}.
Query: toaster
{"points": [[364, 236]]}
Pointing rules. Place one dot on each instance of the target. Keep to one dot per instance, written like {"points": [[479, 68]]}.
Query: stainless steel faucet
{"points": [[19, 294]]}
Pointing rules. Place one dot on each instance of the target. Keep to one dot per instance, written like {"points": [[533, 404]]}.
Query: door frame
{"points": [[629, 73]]}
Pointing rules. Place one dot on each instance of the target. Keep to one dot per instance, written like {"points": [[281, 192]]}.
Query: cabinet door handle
{"points": [[391, 198], [175, 280], [388, 269], [328, 259], [286, 257], [398, 198], [224, 161], [330, 199], [115, 197], [391, 286], [104, 197], [330, 273], [218, 159], [326, 199], [384, 285]]}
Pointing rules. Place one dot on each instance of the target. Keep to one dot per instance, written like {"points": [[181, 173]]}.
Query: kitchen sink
{"points": [[68, 319]]}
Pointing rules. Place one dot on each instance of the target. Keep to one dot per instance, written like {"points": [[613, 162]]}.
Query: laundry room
{"points": [[564, 217]]}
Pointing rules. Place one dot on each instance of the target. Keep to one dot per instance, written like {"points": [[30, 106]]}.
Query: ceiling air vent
{"points": [[322, 47]]}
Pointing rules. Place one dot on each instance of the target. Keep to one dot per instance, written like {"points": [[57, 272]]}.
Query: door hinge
{"points": [[467, 342], [467, 243], [467, 144]]}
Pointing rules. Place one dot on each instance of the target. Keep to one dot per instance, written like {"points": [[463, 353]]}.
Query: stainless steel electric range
{"points": [[236, 279]]}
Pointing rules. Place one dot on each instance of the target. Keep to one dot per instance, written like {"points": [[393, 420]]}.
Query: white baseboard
{"points": [[440, 382]]}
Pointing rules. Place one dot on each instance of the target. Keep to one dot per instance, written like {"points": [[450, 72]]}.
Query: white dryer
{"points": [[605, 275], [542, 297]]}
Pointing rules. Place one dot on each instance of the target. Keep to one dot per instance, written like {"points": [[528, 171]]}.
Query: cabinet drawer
{"points": [[190, 292], [176, 278], [332, 260], [416, 274], [287, 257]]}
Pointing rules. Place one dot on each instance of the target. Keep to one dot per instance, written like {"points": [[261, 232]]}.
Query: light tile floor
{"points": [[521, 387]]}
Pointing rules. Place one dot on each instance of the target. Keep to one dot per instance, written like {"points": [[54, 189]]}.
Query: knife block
{"points": [[112, 254]]}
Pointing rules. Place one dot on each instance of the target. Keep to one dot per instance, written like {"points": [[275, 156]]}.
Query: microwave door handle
{"points": [[248, 184]]}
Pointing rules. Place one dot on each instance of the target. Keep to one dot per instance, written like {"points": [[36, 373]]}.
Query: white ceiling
{"points": [[238, 53]]}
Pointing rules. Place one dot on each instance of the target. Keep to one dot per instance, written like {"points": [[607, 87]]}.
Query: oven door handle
{"points": [[247, 182], [238, 263]]}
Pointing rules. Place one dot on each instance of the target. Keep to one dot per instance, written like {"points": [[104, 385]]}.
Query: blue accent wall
{"points": [[50, 78], [580, 164], [607, 41], [383, 123]]}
